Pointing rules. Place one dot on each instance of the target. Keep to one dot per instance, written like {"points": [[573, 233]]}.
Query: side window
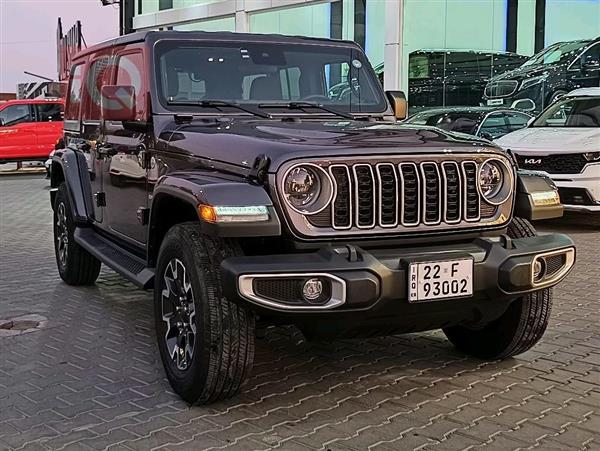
{"points": [[98, 76], [74, 99], [130, 70], [494, 125], [49, 112], [592, 55], [15, 114], [516, 121]]}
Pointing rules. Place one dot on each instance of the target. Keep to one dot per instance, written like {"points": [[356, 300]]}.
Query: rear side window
{"points": [[494, 125], [516, 121], [15, 114], [49, 112], [130, 70], [98, 76], [74, 99]]}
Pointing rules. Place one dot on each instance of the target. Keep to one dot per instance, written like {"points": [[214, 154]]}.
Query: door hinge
{"points": [[143, 215], [100, 199]]}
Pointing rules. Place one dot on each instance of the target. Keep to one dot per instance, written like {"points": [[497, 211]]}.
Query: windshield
{"points": [[464, 122], [560, 52], [264, 75], [577, 112]]}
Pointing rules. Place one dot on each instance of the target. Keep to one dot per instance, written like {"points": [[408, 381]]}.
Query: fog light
{"points": [[538, 269], [312, 289]]}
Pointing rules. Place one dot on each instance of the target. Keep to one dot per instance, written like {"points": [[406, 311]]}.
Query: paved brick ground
{"points": [[91, 377]]}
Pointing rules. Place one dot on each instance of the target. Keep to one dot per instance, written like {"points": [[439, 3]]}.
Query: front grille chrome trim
{"points": [[376, 177], [378, 167], [424, 198], [465, 193], [445, 192], [357, 196], [403, 183], [350, 196]]}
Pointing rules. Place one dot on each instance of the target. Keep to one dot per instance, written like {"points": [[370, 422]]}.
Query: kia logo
{"points": [[533, 161]]}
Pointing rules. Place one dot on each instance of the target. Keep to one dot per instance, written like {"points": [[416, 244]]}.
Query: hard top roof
{"points": [[152, 36]]}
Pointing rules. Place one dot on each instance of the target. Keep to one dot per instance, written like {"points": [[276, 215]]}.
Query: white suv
{"points": [[563, 142]]}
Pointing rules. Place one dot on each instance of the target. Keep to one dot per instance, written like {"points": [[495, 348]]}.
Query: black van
{"points": [[546, 76], [453, 78]]}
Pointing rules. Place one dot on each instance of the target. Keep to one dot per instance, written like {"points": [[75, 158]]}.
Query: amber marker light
{"points": [[221, 214], [207, 213]]}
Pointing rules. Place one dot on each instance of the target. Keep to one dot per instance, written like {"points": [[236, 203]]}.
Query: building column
{"points": [[395, 76], [242, 19]]}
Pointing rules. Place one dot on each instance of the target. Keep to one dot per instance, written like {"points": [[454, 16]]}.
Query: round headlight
{"points": [[491, 178], [307, 188]]}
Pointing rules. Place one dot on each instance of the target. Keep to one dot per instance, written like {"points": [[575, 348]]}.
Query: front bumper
{"points": [[375, 282], [587, 182]]}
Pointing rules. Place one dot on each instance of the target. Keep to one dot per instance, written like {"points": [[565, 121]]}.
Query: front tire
{"points": [[518, 329], [76, 266], [206, 342]]}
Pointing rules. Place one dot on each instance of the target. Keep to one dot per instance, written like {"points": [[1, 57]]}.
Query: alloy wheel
{"points": [[62, 234], [178, 312]]}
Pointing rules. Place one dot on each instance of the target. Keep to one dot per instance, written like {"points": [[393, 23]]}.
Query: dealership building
{"points": [[389, 30]]}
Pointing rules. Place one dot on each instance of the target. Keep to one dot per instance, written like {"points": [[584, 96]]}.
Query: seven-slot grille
{"points": [[407, 194]]}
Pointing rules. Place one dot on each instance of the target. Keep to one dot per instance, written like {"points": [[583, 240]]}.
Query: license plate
{"points": [[495, 102], [429, 281]]}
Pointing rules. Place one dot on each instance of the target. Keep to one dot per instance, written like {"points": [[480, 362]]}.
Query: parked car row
{"points": [[546, 76], [442, 78], [29, 129], [563, 142]]}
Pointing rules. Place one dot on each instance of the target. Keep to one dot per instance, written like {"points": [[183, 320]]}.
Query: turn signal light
{"points": [[221, 214], [545, 198], [207, 213]]}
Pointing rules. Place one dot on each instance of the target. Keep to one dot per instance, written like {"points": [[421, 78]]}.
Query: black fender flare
{"points": [[527, 184], [71, 167], [198, 190]]}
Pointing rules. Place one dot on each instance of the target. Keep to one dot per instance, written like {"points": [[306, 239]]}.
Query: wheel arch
{"points": [[168, 209], [176, 200], [71, 168]]}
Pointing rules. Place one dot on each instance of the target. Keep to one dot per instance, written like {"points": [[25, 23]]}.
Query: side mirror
{"points": [[588, 62], [523, 104], [399, 104], [487, 135], [1, 122], [117, 103]]}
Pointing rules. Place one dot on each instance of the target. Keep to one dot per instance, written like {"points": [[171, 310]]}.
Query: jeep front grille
{"points": [[403, 195]]}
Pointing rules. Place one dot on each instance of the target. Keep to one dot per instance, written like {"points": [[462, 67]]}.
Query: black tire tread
{"points": [[82, 267], [526, 318], [228, 327]]}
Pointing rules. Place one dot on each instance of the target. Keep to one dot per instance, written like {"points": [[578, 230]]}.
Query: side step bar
{"points": [[128, 265]]}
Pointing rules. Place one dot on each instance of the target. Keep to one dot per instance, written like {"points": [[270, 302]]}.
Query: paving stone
{"points": [[92, 378]]}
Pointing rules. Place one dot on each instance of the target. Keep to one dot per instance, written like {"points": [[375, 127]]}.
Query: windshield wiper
{"points": [[303, 105], [219, 103]]}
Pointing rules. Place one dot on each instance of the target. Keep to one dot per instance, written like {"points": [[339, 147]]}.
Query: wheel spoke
{"points": [[178, 313]]}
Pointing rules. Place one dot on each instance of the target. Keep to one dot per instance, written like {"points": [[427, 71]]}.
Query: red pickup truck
{"points": [[29, 128]]}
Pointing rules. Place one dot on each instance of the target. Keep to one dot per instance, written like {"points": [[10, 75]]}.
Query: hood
{"points": [[546, 140], [239, 142]]}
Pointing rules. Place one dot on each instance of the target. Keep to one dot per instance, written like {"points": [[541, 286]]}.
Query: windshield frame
{"points": [[551, 110], [382, 108], [582, 45]]}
